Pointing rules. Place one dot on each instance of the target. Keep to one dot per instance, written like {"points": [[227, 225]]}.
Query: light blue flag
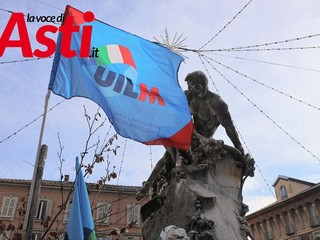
{"points": [[80, 223], [132, 79]]}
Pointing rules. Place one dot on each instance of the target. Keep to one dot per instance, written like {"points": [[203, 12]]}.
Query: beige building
{"points": [[294, 216], [113, 209]]}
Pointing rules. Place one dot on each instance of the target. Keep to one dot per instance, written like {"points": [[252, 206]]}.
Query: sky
{"points": [[272, 94]]}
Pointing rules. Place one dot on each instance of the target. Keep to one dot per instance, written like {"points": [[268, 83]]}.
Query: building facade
{"points": [[294, 216], [116, 213]]}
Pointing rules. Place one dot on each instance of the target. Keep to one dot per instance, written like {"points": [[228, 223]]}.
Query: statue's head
{"points": [[197, 83]]}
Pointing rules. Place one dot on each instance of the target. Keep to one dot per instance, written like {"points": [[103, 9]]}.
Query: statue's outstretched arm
{"points": [[224, 117]]}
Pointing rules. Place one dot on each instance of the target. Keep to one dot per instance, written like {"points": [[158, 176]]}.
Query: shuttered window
{"points": [[8, 207], [103, 212], [44, 208], [133, 214]]}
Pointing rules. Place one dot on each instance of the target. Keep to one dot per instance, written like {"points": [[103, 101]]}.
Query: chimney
{"points": [[66, 178]]}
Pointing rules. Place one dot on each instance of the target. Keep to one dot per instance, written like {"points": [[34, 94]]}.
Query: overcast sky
{"points": [[282, 134]]}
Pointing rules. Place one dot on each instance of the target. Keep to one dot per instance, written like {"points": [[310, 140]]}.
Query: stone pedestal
{"points": [[203, 198]]}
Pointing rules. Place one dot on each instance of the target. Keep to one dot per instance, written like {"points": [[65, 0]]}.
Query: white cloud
{"points": [[258, 202]]}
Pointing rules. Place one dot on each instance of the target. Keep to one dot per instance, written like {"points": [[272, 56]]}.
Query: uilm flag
{"points": [[132, 79]]}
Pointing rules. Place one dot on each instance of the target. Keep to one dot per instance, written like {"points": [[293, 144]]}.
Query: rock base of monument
{"points": [[205, 199]]}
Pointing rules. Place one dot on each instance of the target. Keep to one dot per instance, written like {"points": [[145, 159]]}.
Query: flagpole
{"points": [[36, 165]]}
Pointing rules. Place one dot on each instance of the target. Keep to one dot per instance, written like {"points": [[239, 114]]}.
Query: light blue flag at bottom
{"points": [[80, 223]]}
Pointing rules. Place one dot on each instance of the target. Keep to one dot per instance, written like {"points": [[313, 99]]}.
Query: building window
{"points": [[314, 217], [8, 207], [103, 212], [36, 236], [268, 233], [67, 211], [133, 214], [283, 192], [44, 208], [131, 238], [104, 238], [288, 225]]}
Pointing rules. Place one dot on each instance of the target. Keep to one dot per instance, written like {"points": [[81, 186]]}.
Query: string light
{"points": [[238, 131], [261, 83], [24, 60], [225, 26], [263, 49], [151, 165], [266, 44], [266, 62], [267, 116], [28, 124], [122, 159]]}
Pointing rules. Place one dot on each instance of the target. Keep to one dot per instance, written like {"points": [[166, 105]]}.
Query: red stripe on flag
{"points": [[76, 14], [127, 57], [180, 140]]}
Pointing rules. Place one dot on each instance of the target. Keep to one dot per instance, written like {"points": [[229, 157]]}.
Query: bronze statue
{"points": [[208, 109], [200, 190]]}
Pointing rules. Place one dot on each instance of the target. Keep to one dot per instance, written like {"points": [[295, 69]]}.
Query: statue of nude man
{"points": [[208, 109]]}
